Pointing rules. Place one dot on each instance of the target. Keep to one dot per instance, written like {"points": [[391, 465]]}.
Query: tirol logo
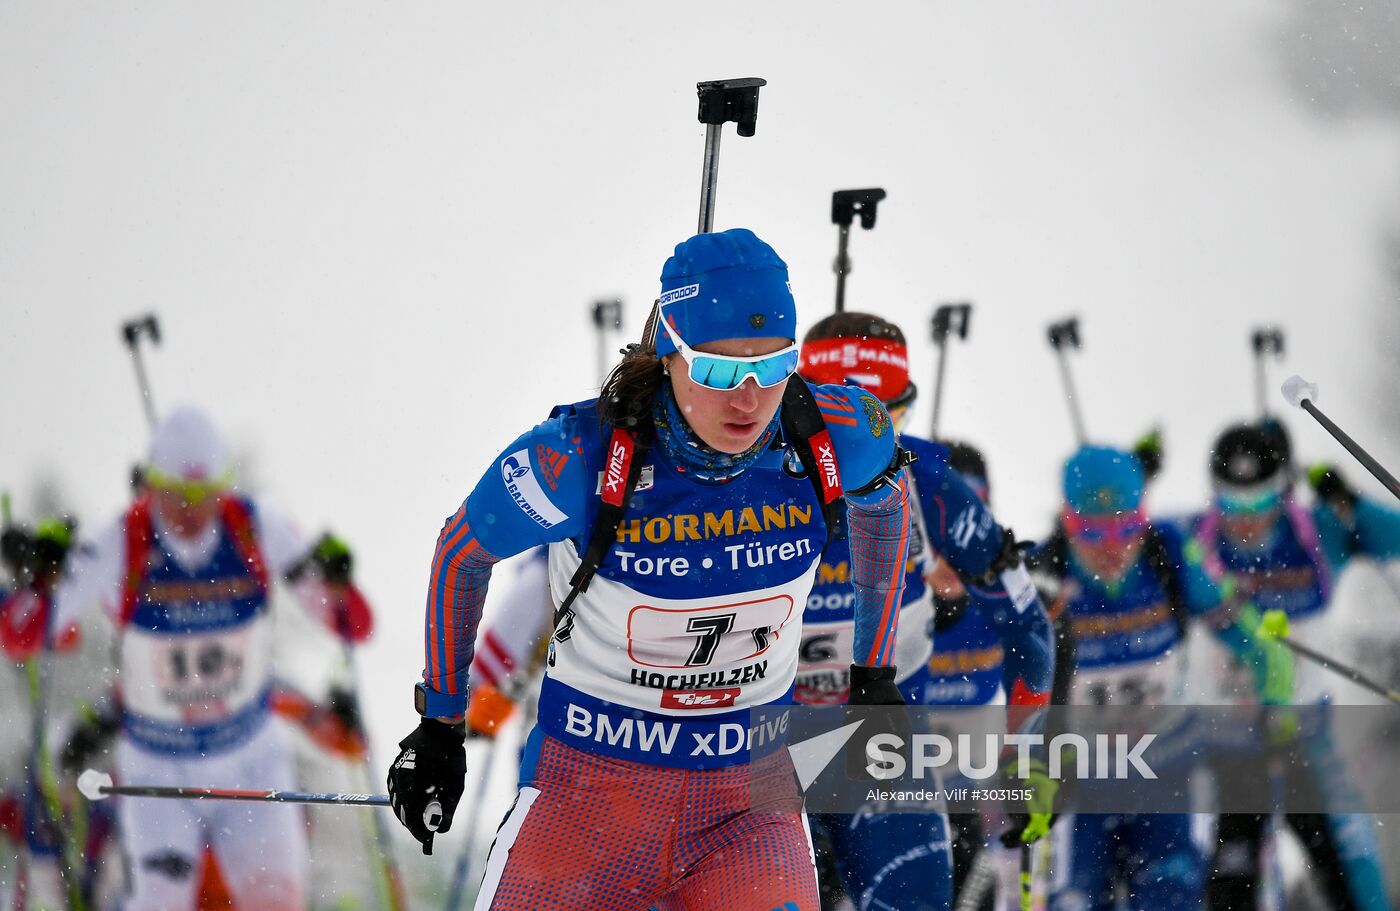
{"points": [[679, 294], [620, 450], [825, 452], [699, 699]]}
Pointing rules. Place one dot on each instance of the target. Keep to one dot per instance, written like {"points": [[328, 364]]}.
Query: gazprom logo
{"points": [[679, 294], [524, 488], [512, 469]]}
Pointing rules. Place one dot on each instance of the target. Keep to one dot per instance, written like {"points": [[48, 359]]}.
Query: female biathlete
{"points": [[715, 476]]}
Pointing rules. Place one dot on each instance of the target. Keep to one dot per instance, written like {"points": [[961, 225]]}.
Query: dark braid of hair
{"points": [[630, 389]]}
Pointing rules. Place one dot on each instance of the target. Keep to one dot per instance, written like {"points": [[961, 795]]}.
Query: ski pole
{"points": [[1266, 341], [844, 206], [948, 319], [1064, 335], [1301, 394], [462, 871], [722, 101], [390, 880], [1345, 670], [1027, 868], [132, 330], [95, 785], [606, 315], [46, 783], [980, 882]]}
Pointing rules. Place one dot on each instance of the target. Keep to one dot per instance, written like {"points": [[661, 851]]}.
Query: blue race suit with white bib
{"points": [[692, 620], [195, 647]]}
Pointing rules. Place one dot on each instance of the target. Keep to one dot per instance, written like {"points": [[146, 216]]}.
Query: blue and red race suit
{"points": [[691, 621], [694, 614]]}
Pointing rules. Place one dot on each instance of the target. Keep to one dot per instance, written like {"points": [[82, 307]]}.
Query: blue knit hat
{"points": [[725, 285], [1100, 480]]}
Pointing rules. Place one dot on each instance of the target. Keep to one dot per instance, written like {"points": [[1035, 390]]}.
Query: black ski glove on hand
{"points": [[346, 709], [91, 737], [426, 779], [333, 558], [1329, 485], [874, 686], [16, 546]]}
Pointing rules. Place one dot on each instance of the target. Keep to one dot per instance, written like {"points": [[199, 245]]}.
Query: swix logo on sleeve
{"points": [[620, 451], [698, 699], [827, 472], [524, 488]]}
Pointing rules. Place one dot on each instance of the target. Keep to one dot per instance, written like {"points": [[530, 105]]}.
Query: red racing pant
{"points": [[592, 833]]}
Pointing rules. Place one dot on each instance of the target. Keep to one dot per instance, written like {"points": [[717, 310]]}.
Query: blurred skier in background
{"points": [[902, 860], [1286, 556], [184, 575], [34, 811], [1131, 587]]}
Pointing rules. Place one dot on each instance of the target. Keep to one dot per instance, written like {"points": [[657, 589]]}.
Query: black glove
{"points": [[53, 538], [333, 559], [1329, 485], [426, 779], [346, 709], [1148, 450], [16, 545], [92, 736], [874, 686]]}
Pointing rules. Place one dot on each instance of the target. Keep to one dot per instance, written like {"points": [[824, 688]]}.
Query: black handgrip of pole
{"points": [[846, 203], [1267, 340], [133, 329], [1064, 334], [951, 319], [730, 100]]}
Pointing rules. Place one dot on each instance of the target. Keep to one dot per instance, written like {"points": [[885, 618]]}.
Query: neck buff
{"points": [[691, 455]]}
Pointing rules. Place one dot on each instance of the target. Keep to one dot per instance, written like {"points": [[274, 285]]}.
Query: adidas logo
{"points": [[551, 464]]}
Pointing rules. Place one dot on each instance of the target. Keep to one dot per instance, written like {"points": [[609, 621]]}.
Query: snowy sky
{"points": [[372, 231]]}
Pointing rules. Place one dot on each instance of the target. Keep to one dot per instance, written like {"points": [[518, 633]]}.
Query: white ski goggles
{"points": [[723, 373]]}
